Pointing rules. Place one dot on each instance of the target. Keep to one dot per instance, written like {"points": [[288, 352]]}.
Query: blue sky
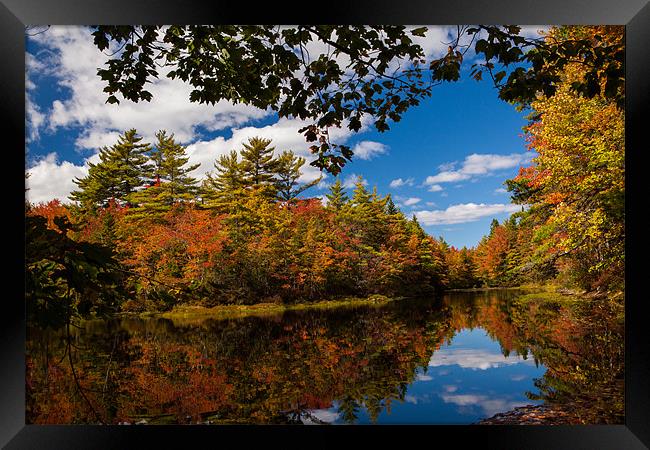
{"points": [[445, 161]]}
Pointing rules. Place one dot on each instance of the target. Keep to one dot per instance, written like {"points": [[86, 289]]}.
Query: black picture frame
{"points": [[634, 14]]}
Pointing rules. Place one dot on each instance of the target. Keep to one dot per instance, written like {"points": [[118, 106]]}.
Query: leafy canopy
{"points": [[374, 72]]}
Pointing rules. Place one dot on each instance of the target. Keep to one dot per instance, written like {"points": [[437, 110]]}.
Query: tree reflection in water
{"points": [[285, 368]]}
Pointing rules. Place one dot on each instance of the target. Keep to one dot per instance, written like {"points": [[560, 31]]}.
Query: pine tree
{"points": [[225, 187], [259, 166], [121, 170], [287, 171], [391, 209], [169, 179], [170, 165], [360, 195], [493, 226], [337, 198], [416, 228]]}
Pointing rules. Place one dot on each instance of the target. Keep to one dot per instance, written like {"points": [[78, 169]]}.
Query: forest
{"points": [[258, 293], [140, 234]]}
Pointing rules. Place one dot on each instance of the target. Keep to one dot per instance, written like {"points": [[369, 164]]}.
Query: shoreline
{"points": [[531, 415], [546, 291], [261, 309]]}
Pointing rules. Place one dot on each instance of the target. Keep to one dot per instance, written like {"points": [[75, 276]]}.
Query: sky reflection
{"points": [[466, 380]]}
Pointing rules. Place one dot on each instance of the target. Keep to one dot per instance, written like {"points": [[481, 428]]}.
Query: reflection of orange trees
{"points": [[275, 370], [586, 362], [251, 371], [310, 366], [57, 393], [51, 398], [170, 378]]}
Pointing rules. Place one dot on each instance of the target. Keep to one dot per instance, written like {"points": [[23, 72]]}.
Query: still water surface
{"points": [[454, 360]]}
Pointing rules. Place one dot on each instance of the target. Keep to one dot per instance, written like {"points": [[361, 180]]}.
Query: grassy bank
{"points": [[266, 309]]}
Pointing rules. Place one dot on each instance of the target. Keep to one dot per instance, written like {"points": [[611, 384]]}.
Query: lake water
{"points": [[452, 360]]}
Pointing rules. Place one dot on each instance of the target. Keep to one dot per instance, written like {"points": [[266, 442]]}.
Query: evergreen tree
{"points": [[259, 166], [337, 198], [416, 228], [287, 170], [467, 272], [121, 170], [223, 188], [493, 226], [170, 165], [391, 209], [169, 182], [360, 195]]}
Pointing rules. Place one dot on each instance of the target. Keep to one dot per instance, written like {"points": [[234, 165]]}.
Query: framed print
{"points": [[414, 220]]}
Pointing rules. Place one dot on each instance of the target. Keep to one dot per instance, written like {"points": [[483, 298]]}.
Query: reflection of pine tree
{"points": [[349, 409], [373, 405]]}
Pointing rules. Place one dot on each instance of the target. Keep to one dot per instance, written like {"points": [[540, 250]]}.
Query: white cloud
{"points": [[34, 118], [462, 213], [73, 59], [435, 41], [412, 201], [351, 180], [533, 31], [475, 165], [518, 377], [435, 188], [50, 179], [490, 406], [369, 149], [500, 191], [446, 177], [398, 182], [325, 415], [447, 166], [473, 359]]}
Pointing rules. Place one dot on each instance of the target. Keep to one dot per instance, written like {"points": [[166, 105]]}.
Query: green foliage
{"points": [[600, 51], [122, 168], [221, 190], [287, 173], [337, 197], [268, 67], [169, 182], [66, 278], [259, 166]]}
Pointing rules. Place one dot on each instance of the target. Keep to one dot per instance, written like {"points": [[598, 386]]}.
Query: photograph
{"points": [[325, 224]]}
